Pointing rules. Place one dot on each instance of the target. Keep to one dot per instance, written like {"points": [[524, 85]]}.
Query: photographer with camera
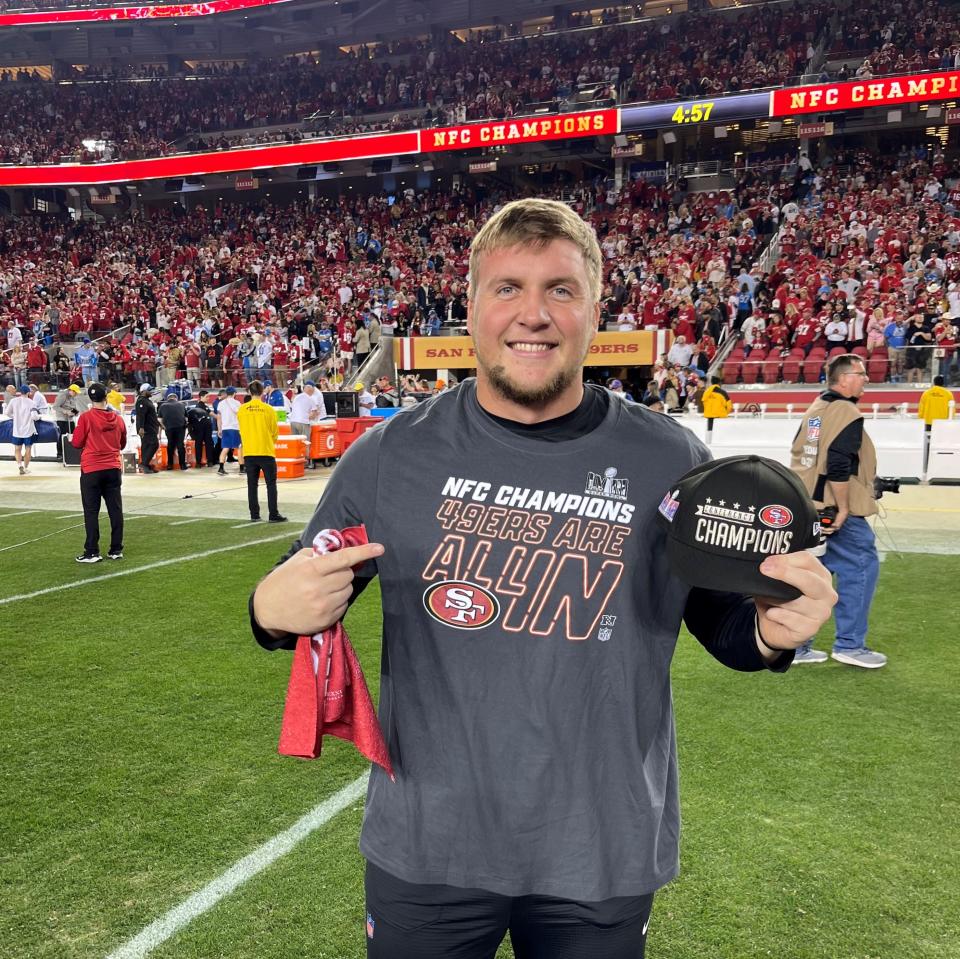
{"points": [[837, 463]]}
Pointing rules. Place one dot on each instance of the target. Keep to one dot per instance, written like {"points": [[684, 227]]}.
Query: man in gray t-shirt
{"points": [[529, 624]]}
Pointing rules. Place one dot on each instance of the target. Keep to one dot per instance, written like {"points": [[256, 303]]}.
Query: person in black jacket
{"points": [[148, 428], [174, 416], [200, 426]]}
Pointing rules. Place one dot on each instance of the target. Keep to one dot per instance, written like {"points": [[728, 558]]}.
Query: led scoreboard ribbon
{"points": [[654, 116], [761, 104], [154, 11], [860, 94]]}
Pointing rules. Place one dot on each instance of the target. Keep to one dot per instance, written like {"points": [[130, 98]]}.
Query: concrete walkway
{"points": [[197, 493]]}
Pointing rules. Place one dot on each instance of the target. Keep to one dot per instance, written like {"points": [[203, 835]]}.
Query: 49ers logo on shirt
{"points": [[776, 516], [461, 605]]}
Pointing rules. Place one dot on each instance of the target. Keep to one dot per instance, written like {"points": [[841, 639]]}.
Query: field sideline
{"points": [[821, 809]]}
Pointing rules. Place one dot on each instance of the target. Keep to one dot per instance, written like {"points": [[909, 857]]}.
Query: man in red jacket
{"points": [[100, 436]]}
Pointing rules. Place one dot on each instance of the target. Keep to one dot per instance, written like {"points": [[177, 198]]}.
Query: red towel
{"points": [[327, 673]]}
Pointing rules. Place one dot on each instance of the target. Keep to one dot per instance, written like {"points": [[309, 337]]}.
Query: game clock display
{"points": [[693, 113], [653, 116]]}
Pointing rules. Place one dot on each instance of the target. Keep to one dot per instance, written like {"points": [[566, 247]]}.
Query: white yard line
{"points": [[70, 516], [140, 569], [183, 522], [240, 872], [22, 512], [245, 525]]}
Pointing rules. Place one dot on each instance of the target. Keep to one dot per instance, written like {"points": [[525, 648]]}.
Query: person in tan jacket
{"points": [[837, 462]]}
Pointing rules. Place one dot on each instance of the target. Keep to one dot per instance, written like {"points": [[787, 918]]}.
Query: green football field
{"points": [[138, 764]]}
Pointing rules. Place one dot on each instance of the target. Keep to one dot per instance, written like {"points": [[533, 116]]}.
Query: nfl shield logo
{"points": [[813, 428], [370, 925]]}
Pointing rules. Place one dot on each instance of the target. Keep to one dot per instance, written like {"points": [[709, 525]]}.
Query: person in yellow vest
{"points": [[837, 462], [715, 403], [935, 403], [716, 400], [258, 436], [115, 399]]}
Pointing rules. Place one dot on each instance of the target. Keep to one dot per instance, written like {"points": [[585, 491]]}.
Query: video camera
{"points": [[885, 484]]}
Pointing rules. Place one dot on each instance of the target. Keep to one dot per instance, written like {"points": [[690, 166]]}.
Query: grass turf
{"points": [[139, 762]]}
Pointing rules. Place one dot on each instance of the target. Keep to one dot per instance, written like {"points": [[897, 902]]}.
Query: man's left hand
{"points": [[790, 624]]}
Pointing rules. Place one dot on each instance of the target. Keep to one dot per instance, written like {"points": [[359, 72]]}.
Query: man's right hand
{"points": [[841, 518], [309, 592]]}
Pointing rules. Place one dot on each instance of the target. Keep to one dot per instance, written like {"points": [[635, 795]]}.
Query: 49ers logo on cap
{"points": [[461, 605], [776, 516]]}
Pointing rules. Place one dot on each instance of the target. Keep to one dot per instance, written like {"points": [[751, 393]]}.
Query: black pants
{"points": [[64, 427], [148, 448], [94, 487], [254, 465], [203, 441], [175, 441], [409, 921]]}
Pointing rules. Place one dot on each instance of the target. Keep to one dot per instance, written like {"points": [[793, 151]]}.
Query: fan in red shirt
{"points": [[806, 332], [281, 362], [100, 436], [36, 359]]}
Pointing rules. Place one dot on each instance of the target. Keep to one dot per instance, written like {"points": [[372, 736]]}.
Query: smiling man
{"points": [[529, 623], [533, 311]]}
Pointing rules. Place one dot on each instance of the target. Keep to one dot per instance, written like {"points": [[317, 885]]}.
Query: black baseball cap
{"points": [[726, 516], [97, 392]]}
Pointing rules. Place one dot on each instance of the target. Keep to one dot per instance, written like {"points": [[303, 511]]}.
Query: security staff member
{"points": [[148, 428], [174, 416], [837, 463], [935, 403], [716, 400], [258, 435], [200, 427], [716, 405]]}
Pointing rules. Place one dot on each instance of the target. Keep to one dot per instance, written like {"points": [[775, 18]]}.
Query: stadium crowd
{"points": [[437, 83], [870, 262], [328, 277], [909, 37], [869, 259]]}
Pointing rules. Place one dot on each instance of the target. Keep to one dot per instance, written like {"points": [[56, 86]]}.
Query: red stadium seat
{"points": [[731, 370], [750, 371], [812, 367], [790, 371], [859, 351], [836, 351], [877, 368], [771, 369]]}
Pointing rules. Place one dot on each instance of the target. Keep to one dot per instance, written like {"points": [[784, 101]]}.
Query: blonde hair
{"points": [[536, 222]]}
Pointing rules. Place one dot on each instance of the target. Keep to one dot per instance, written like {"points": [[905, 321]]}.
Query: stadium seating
{"points": [[813, 365], [440, 82]]}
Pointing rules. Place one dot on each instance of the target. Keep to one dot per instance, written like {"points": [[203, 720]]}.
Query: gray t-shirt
{"points": [[529, 623]]}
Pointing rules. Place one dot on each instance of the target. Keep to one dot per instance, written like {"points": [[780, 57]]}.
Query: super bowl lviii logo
{"points": [[461, 605]]}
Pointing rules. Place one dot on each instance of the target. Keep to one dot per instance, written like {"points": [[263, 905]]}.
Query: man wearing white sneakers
{"points": [[23, 413], [836, 460], [228, 426]]}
